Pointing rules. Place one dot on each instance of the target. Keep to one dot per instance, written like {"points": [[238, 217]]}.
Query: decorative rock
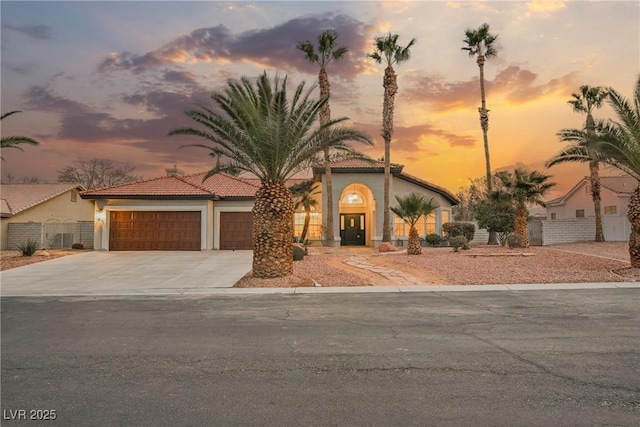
{"points": [[386, 247]]}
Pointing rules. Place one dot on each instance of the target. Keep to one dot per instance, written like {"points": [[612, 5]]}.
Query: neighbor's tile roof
{"points": [[619, 184], [19, 197], [221, 185]]}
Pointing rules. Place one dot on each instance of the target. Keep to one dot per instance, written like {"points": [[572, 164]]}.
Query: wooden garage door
{"points": [[236, 230], [154, 231]]}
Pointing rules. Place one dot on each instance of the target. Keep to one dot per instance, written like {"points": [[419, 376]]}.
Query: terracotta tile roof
{"points": [[165, 186], [19, 197], [219, 186], [429, 186], [225, 185], [359, 165]]}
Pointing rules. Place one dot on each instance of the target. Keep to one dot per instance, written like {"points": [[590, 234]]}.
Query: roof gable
{"points": [[16, 198], [432, 187], [621, 185]]}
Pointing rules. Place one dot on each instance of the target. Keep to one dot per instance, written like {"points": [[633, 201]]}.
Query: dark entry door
{"points": [[352, 230]]}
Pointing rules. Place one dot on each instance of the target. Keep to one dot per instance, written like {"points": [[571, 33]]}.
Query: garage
{"points": [[154, 231], [236, 230]]}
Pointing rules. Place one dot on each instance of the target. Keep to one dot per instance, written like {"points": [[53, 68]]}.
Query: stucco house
{"points": [[181, 212], [52, 214], [577, 205]]}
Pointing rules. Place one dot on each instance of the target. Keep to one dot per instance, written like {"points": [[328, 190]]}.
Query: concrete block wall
{"points": [[19, 233], [84, 234], [568, 230]]}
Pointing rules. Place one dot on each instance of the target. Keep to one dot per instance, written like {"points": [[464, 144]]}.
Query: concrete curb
{"points": [[345, 290]]}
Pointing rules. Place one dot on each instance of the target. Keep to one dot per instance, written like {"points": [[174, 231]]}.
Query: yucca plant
{"points": [[28, 248], [260, 131]]}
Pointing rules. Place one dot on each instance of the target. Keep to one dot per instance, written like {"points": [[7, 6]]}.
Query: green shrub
{"points": [[458, 242], [77, 246], [298, 253], [514, 241], [457, 228], [28, 248], [433, 239]]}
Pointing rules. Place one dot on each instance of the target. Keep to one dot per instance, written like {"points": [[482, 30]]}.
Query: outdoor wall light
{"points": [[101, 216]]}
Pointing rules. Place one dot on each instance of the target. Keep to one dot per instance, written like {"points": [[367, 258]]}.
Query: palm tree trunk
{"points": [[305, 227], [390, 88], [595, 195], [272, 232], [325, 117], [633, 215], [520, 228], [414, 247], [484, 124]]}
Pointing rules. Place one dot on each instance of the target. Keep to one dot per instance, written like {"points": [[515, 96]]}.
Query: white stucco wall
{"points": [[581, 199]]}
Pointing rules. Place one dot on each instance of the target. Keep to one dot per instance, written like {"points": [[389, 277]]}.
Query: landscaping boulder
{"points": [[386, 247]]}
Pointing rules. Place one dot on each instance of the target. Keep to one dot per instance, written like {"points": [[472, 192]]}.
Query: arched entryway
{"points": [[357, 215]]}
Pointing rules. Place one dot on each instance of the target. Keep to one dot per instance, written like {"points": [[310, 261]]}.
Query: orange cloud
{"points": [[513, 84]]}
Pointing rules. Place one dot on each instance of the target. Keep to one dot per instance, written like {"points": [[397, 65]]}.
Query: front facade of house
{"points": [[54, 215], [577, 205], [179, 212]]}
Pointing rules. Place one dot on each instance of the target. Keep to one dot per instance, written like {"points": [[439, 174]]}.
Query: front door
{"points": [[352, 230]]}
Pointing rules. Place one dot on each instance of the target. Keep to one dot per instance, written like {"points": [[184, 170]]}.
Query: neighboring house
{"points": [[52, 214], [181, 212], [577, 205]]}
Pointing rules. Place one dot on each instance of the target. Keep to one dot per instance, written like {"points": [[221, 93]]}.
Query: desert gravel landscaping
{"points": [[481, 265]]}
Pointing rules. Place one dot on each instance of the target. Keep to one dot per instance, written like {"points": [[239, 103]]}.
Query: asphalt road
{"points": [[534, 358]]}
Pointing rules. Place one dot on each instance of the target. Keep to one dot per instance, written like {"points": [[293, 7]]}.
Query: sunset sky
{"points": [[111, 79]]}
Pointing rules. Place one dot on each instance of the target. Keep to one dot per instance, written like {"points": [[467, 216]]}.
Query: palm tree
{"points": [[325, 53], [524, 187], [479, 43], [615, 143], [386, 48], [15, 141], [411, 208], [263, 133], [584, 102], [303, 193]]}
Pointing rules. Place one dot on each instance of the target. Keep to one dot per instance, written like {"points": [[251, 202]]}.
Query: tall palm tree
{"points": [[263, 133], [303, 193], [411, 208], [15, 141], [386, 49], [524, 187], [584, 102], [325, 52], [479, 43], [615, 143]]}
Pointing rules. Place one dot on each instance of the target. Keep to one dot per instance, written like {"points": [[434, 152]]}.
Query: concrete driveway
{"points": [[128, 273]]}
